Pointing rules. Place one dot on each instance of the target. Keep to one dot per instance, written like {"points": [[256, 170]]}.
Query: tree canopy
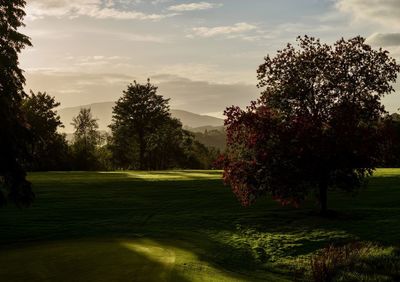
{"points": [[145, 136], [86, 140], [316, 125], [48, 148], [136, 115], [14, 130]]}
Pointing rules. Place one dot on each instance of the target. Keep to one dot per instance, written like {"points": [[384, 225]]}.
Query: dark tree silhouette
{"points": [[391, 145], [14, 131], [137, 114], [86, 140], [48, 148], [317, 123], [145, 136]]}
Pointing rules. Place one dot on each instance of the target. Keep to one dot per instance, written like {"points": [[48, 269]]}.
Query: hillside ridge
{"points": [[103, 112]]}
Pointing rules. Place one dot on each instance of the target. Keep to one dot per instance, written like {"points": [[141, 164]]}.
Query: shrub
{"points": [[355, 262]]}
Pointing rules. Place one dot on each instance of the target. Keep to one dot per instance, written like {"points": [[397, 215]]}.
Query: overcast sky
{"points": [[202, 54]]}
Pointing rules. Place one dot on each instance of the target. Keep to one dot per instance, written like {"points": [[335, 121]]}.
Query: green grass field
{"points": [[180, 226]]}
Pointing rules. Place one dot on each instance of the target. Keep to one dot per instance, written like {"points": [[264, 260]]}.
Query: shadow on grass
{"points": [[200, 216], [86, 260]]}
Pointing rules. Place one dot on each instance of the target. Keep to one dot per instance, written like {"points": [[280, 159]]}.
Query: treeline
{"points": [[212, 138], [143, 136], [391, 151]]}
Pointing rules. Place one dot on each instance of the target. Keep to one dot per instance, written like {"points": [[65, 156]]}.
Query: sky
{"points": [[201, 54]]}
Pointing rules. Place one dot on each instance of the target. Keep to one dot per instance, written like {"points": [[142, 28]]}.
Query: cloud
{"points": [[100, 9], [259, 32], [193, 7], [80, 88], [156, 2], [94, 61], [71, 34], [384, 12], [237, 28], [202, 97], [389, 41], [392, 102], [213, 73], [384, 39]]}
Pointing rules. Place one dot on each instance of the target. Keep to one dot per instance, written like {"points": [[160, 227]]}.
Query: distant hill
{"points": [[194, 120], [205, 128], [103, 112]]}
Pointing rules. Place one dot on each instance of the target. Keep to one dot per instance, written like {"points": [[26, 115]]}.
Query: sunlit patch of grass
{"points": [[173, 175], [191, 218], [387, 172], [280, 249], [107, 260], [129, 175]]}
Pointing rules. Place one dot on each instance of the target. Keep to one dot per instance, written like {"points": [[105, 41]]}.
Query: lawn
{"points": [[180, 226]]}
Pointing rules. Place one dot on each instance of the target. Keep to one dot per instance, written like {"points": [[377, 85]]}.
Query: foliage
{"points": [[49, 149], [137, 114], [212, 138], [86, 141], [13, 127], [326, 262], [391, 144], [316, 125], [355, 261], [145, 136], [86, 128], [124, 149], [165, 145], [103, 153], [199, 156]]}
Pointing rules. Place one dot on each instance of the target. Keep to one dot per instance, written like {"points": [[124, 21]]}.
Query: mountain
{"points": [[103, 112], [202, 129], [192, 120]]}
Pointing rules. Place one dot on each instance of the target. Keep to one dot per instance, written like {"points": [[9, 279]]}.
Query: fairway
{"points": [[180, 226]]}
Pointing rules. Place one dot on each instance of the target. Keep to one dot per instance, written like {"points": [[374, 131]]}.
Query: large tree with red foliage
{"points": [[316, 125]]}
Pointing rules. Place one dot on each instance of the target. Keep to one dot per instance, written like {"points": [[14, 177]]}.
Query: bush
{"points": [[355, 262]]}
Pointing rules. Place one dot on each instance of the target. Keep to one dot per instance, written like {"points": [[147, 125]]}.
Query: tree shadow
{"points": [[203, 217], [89, 260]]}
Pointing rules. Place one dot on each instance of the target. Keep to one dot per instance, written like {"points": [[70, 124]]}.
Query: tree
{"points": [[136, 115], [212, 138], [316, 125], [124, 148], [165, 145], [199, 156], [391, 145], [145, 136], [14, 131], [86, 140], [48, 148]]}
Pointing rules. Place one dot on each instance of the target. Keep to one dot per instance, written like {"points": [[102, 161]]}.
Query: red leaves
{"points": [[317, 121], [239, 174]]}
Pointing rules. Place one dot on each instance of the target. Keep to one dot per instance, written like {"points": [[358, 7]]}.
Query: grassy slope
{"points": [[178, 226]]}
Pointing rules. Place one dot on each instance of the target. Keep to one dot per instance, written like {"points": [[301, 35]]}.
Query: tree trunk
{"points": [[141, 154], [323, 197]]}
